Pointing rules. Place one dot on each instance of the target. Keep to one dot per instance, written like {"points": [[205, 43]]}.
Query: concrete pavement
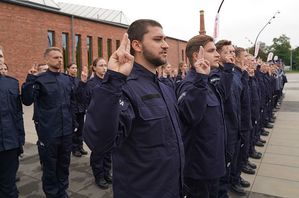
{"points": [[277, 173], [81, 179]]}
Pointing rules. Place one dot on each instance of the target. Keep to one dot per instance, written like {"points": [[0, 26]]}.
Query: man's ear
{"points": [[194, 56], [136, 45]]}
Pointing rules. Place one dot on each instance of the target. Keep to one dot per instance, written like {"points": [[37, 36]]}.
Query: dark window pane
{"points": [[78, 53], [100, 47], [65, 49], [109, 47], [117, 43], [51, 41], [89, 50]]}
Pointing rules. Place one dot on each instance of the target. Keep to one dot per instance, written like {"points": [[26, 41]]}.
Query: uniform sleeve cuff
{"points": [[116, 79]]}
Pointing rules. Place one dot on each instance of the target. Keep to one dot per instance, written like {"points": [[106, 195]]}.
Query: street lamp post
{"points": [[269, 22], [291, 60]]}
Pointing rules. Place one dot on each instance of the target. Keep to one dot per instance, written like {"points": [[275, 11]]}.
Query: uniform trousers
{"points": [[9, 163]]}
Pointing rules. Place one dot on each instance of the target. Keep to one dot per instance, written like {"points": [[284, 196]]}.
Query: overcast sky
{"points": [[240, 20]]}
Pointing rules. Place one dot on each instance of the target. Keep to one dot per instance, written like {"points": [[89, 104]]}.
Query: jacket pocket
{"points": [[152, 112], [150, 129]]}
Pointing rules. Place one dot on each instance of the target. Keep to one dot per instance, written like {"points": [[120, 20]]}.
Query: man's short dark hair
{"points": [[220, 44], [139, 28], [194, 44], [239, 50]]}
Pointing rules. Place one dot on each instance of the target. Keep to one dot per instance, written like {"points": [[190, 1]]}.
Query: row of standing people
{"points": [[100, 164], [167, 141], [73, 94], [249, 91], [59, 108]]}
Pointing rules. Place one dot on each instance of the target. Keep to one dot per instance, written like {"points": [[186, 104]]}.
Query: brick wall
{"points": [[24, 36]]}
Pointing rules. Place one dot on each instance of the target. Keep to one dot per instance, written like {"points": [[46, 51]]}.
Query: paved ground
{"points": [[81, 179], [277, 173]]}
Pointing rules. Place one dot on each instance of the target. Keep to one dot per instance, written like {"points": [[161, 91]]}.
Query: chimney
{"points": [[202, 30]]}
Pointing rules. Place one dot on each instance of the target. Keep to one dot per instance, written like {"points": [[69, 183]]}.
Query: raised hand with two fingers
{"points": [[202, 65], [121, 60]]}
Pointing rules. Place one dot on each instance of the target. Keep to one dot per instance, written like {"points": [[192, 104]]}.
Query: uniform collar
{"points": [[139, 70], [54, 73], [96, 77]]}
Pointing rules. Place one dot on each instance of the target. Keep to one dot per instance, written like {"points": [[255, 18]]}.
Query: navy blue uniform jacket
{"points": [[78, 94], [12, 133], [53, 97], [88, 89], [245, 105], [203, 127], [139, 116], [232, 108], [255, 99]]}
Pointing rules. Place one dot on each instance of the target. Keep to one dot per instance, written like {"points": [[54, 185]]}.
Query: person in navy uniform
{"points": [[100, 164], [201, 112], [77, 148], [12, 135], [54, 117], [232, 116], [242, 106], [255, 100], [136, 114], [166, 77]]}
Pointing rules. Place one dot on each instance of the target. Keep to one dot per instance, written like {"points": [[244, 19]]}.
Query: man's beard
{"points": [[155, 60]]}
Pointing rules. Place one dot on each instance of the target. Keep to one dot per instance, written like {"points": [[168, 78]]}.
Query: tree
{"points": [[295, 57], [281, 47]]}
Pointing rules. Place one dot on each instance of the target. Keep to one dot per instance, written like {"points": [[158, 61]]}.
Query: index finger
{"points": [[34, 66], [124, 42], [201, 52]]}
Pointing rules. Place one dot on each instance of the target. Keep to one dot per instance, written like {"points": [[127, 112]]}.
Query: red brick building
{"points": [[27, 28]]}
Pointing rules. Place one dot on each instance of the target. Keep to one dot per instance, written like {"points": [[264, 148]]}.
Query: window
{"points": [[109, 47], [183, 55], [89, 50], [51, 41], [100, 47], [65, 49], [78, 52], [117, 44]]}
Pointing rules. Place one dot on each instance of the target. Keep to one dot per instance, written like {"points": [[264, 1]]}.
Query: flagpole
{"points": [[216, 25], [220, 7]]}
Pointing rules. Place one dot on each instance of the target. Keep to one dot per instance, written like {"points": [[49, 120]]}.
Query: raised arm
{"points": [[109, 113]]}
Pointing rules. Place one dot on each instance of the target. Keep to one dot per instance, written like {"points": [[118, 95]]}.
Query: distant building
{"points": [[27, 27]]}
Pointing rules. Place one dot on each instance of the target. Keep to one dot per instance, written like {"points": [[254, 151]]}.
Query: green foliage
{"points": [[281, 47], [295, 56]]}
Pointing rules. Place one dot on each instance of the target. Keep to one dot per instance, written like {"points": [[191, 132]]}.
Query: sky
{"points": [[240, 20]]}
